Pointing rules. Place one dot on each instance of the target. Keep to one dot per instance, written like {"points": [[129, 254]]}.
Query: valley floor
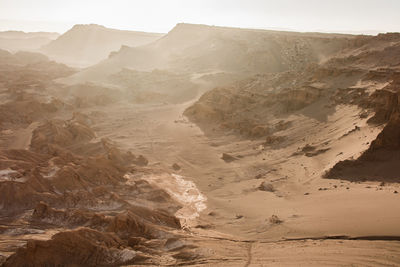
{"points": [[305, 221]]}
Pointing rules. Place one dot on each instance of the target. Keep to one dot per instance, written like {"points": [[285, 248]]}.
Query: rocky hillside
{"points": [[364, 74], [84, 45], [189, 48], [83, 199]]}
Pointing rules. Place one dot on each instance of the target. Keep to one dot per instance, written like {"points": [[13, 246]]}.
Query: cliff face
{"points": [[381, 160]]}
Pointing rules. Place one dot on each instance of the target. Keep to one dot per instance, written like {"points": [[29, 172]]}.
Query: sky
{"points": [[348, 16]]}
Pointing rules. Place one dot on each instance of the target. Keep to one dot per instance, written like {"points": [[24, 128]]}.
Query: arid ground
{"points": [[207, 146]]}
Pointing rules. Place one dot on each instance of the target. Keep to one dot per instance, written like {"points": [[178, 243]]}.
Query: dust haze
{"points": [[200, 146]]}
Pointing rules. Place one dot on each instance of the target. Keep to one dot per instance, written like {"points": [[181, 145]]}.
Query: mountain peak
{"points": [[87, 44], [88, 26], [190, 26]]}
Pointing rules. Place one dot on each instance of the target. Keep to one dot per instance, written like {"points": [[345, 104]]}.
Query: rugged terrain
{"points": [[208, 50], [210, 146], [63, 187], [85, 45], [363, 77]]}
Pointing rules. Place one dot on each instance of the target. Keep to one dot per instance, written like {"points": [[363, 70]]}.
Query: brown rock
{"points": [[141, 161], [265, 186], [176, 167], [228, 158]]}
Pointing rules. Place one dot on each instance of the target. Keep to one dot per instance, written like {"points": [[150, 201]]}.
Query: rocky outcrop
{"points": [[385, 103], [135, 221], [228, 158], [249, 106], [380, 162], [75, 248], [73, 182]]}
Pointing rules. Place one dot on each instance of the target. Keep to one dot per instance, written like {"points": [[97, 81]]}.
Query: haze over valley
{"points": [[200, 145]]}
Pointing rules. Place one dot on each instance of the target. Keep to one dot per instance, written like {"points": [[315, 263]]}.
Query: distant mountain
{"points": [[25, 69], [28, 35], [85, 45], [21, 58], [190, 48], [28, 41]]}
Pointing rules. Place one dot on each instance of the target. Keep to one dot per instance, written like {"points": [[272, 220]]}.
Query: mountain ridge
{"points": [[203, 48], [87, 44]]}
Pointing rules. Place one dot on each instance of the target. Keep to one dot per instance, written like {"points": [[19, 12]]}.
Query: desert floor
{"points": [[319, 222]]}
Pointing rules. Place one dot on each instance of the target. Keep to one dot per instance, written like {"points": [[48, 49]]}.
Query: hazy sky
{"points": [[162, 15]]}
